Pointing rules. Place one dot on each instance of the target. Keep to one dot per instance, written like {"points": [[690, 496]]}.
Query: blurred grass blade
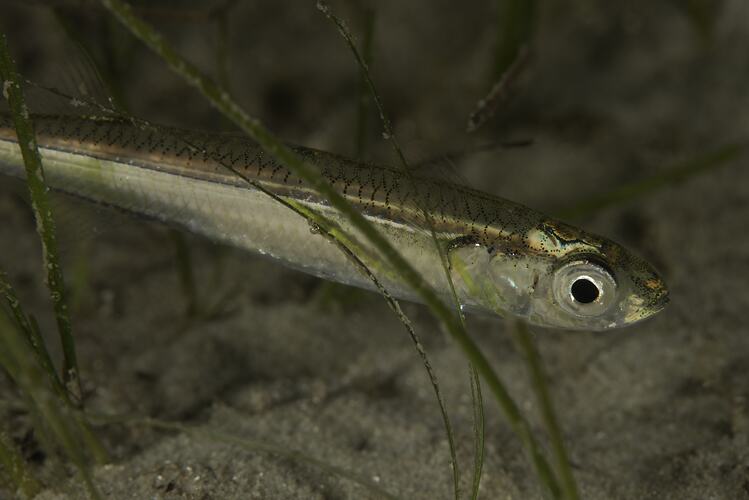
{"points": [[515, 24], [59, 419], [541, 389], [13, 92], [668, 177], [29, 327], [362, 101], [479, 433], [499, 93], [16, 470], [221, 15]]}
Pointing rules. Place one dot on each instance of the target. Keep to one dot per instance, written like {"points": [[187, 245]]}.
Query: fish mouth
{"points": [[656, 303], [661, 301]]}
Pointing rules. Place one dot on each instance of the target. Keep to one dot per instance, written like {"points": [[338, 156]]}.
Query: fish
{"points": [[502, 257]]}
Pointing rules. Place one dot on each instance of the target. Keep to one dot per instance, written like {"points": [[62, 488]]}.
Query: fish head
{"points": [[587, 282], [561, 277], [597, 291]]}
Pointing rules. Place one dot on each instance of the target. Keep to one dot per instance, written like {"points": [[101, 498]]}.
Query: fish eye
{"points": [[584, 288]]}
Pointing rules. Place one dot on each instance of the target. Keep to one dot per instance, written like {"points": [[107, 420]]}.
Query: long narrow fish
{"points": [[504, 257]]}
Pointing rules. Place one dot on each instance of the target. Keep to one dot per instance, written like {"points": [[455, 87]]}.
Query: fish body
{"points": [[503, 257]]}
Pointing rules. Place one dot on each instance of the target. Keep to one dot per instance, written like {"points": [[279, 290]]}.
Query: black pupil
{"points": [[584, 291]]}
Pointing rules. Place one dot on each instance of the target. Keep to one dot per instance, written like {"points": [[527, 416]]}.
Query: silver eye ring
{"points": [[584, 288]]}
